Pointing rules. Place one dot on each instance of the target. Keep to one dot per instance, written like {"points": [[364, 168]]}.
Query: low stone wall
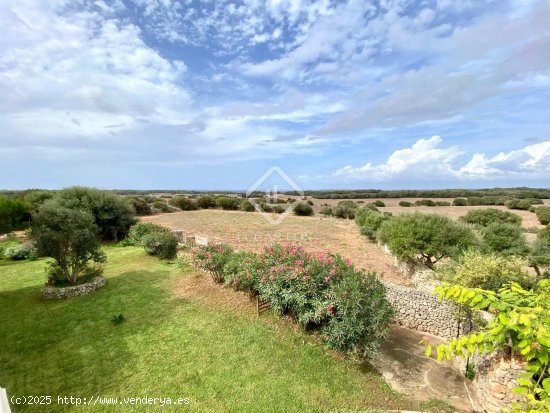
{"points": [[56, 293], [420, 310]]}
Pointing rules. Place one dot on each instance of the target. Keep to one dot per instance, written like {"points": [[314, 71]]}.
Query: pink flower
{"points": [[262, 279], [348, 262], [272, 278], [330, 309], [326, 280]]}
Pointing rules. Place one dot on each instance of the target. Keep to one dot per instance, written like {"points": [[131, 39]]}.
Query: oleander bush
{"points": [[322, 292], [487, 216], [161, 244]]}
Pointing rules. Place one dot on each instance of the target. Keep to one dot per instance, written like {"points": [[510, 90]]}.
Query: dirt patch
{"points": [[249, 231]]}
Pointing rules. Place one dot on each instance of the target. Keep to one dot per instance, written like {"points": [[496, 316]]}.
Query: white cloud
{"points": [[425, 160]]}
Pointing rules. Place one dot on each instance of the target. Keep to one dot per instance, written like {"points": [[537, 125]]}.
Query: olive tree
{"points": [[70, 237], [427, 237], [112, 214]]}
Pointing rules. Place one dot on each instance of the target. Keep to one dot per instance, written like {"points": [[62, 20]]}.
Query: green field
{"points": [[169, 346]]}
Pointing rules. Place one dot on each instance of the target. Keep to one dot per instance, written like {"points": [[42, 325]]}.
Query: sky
{"points": [[209, 95]]}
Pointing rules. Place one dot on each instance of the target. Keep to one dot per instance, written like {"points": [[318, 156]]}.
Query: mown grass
{"points": [[168, 346]]}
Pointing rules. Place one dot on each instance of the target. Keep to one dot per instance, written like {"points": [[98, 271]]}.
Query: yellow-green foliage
{"points": [[486, 271], [521, 323]]}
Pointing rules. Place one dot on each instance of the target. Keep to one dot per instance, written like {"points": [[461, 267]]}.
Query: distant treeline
{"points": [[520, 193]]}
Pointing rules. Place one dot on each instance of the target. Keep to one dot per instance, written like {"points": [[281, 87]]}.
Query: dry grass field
{"points": [[250, 231]]}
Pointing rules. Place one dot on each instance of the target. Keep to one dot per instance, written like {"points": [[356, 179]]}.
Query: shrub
{"points": [[278, 209], [303, 209], [359, 314], [428, 237], [228, 203], [112, 214], [14, 215], [345, 209], [70, 237], [370, 221], [161, 244], [35, 198], [140, 230], [442, 203], [379, 203], [518, 204], [320, 291], [460, 202], [487, 271], [20, 252], [212, 259], [425, 202], [141, 207], [326, 210], [487, 216], [247, 206], [405, 204], [206, 201], [543, 214], [539, 256], [184, 203], [505, 239], [310, 202], [535, 201], [243, 271], [161, 206]]}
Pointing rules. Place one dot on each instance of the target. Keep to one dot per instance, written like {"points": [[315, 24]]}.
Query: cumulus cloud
{"points": [[426, 160]]}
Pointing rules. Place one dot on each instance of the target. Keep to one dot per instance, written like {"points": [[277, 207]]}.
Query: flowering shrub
{"points": [[320, 291], [212, 258]]}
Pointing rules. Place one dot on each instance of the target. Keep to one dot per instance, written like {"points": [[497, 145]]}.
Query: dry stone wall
{"points": [[56, 293]]}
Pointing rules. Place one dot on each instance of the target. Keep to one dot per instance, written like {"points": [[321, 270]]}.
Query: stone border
{"points": [[57, 293]]}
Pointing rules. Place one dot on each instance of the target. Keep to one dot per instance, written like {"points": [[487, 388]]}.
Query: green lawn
{"points": [[167, 347]]}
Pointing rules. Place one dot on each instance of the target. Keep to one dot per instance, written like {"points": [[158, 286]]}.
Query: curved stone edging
{"points": [[56, 293]]}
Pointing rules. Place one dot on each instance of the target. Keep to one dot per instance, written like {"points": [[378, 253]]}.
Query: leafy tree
{"points": [[520, 325], [70, 237], [428, 237], [112, 214], [37, 197], [14, 215], [543, 214], [487, 271], [487, 216], [505, 239], [303, 209]]}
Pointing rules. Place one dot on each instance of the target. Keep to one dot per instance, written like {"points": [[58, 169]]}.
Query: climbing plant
{"points": [[521, 324]]}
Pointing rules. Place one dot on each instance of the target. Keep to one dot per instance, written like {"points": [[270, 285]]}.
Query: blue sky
{"points": [[209, 95]]}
